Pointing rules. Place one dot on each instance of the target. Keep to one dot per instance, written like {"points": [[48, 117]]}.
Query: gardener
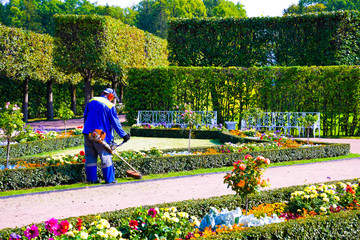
{"points": [[100, 115]]}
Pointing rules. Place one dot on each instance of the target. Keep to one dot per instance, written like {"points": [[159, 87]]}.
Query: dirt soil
{"points": [[22, 210]]}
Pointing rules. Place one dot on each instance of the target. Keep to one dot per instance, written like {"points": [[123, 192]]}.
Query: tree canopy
{"points": [[307, 6], [148, 15]]}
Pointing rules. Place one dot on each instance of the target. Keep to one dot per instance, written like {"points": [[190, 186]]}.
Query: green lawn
{"points": [[145, 143]]}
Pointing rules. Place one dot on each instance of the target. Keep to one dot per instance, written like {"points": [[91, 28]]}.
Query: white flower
{"points": [[173, 209], [325, 199], [112, 232], [84, 235], [103, 235], [105, 223], [323, 209], [174, 219]]}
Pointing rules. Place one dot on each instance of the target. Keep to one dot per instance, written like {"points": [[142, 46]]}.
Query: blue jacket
{"points": [[100, 113]]}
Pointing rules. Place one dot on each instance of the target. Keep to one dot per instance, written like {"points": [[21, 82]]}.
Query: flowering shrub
{"points": [[151, 224], [53, 160], [66, 159], [246, 176], [246, 147], [324, 199], [163, 223]]}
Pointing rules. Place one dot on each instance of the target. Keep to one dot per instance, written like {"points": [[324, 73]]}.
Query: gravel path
{"points": [[18, 211]]}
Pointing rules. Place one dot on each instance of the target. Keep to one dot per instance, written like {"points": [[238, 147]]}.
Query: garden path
{"points": [[22, 210]]}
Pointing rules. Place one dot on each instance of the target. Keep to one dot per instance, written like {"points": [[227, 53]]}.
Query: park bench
{"points": [[281, 120], [173, 118]]}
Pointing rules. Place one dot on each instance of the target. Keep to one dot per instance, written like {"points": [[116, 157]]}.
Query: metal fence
{"points": [[171, 118]]}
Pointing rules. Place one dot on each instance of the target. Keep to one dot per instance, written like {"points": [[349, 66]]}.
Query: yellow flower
{"points": [[336, 198], [325, 199], [100, 226], [323, 209], [173, 209]]}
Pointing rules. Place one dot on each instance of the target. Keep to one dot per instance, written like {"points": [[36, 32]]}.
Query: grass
{"points": [[168, 175], [144, 143]]}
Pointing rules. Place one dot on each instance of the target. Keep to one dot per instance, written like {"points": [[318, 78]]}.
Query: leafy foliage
{"points": [[316, 39], [331, 90]]}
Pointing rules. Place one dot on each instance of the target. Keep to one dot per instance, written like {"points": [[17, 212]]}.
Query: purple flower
{"points": [[31, 232], [51, 225], [152, 212], [14, 236], [328, 178]]}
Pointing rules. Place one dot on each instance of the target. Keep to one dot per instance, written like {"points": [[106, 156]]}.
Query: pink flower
{"points": [[248, 156], [31, 232], [51, 225], [152, 212]]}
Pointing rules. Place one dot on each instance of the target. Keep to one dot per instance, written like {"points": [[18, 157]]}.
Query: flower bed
{"points": [[178, 220], [47, 176]]}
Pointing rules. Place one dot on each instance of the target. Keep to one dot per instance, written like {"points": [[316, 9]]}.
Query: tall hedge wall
{"points": [[320, 39], [331, 90]]}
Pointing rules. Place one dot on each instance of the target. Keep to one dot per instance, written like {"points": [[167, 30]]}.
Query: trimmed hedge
{"points": [[348, 222], [11, 181], [35, 147], [317, 39]]}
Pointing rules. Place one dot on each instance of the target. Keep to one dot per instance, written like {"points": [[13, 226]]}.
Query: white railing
{"points": [[171, 118], [281, 120]]}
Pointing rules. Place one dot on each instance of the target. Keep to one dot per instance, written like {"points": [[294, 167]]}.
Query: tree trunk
{"points": [[8, 152], [114, 85], [87, 88], [73, 98], [246, 205], [25, 99], [189, 138], [49, 103]]}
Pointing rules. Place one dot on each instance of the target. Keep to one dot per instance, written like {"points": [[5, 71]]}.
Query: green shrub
{"points": [[35, 147]]}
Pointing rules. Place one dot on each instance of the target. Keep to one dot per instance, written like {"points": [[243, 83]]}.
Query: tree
{"points": [[307, 6], [11, 124], [224, 8], [153, 15]]}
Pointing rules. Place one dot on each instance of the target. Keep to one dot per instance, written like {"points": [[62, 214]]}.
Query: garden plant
{"points": [[11, 123]]}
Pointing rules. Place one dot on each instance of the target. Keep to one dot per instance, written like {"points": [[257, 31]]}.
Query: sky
{"points": [[254, 8]]}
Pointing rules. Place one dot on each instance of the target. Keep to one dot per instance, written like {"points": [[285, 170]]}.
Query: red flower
{"points": [[82, 153], [133, 224], [78, 224], [80, 127], [349, 189], [248, 156], [84, 160]]}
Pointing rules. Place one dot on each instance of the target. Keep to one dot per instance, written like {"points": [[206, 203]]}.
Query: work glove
{"points": [[126, 137]]}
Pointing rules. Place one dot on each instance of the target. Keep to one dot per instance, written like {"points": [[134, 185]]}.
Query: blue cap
{"points": [[110, 90]]}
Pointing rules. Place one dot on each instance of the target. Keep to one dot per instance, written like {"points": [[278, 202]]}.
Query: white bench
{"points": [[171, 118], [282, 120]]}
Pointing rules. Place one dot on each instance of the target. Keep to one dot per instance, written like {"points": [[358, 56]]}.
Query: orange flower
{"points": [[241, 183]]}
